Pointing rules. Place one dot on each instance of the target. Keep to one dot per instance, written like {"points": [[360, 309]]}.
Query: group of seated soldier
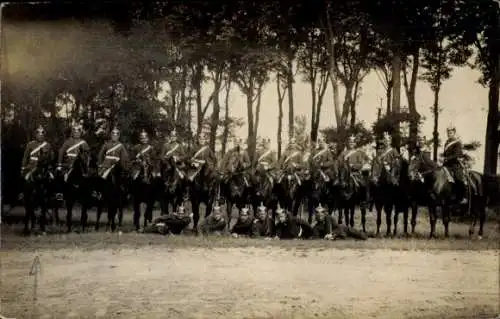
{"points": [[260, 225]]}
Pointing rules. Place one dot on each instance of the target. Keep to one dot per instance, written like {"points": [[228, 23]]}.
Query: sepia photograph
{"points": [[243, 159]]}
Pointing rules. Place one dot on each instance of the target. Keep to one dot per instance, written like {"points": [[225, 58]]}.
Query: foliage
{"points": [[363, 135]]}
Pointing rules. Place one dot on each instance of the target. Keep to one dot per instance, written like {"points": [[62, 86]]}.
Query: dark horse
{"points": [[203, 188], [287, 189], [352, 191], [112, 190], [76, 187], [323, 190], [36, 193], [389, 185], [143, 191], [262, 190], [436, 180], [174, 185], [235, 190]]}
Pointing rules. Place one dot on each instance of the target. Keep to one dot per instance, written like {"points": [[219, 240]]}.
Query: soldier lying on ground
{"points": [[243, 226], [326, 227], [261, 224], [291, 227], [215, 223], [171, 224]]}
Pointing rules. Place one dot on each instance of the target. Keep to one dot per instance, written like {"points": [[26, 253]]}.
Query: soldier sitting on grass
{"points": [[261, 224], [327, 228], [172, 224], [243, 226], [291, 227], [215, 223]]}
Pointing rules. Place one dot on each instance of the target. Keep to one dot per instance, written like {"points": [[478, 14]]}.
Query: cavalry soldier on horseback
{"points": [[266, 159], [174, 152], [35, 151], [236, 159], [144, 153], [421, 149], [292, 161], [388, 155], [452, 160], [356, 158], [323, 160], [111, 153], [202, 157], [69, 152]]}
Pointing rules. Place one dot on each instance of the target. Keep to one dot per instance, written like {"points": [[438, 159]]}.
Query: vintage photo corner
{"points": [[238, 159]]}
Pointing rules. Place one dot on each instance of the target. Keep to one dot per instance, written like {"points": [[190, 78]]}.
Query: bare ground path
{"points": [[264, 282]]}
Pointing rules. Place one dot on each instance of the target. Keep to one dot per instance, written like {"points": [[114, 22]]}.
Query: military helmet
{"points": [[451, 128], [173, 133], [143, 134], [115, 131], [320, 209], [40, 130]]}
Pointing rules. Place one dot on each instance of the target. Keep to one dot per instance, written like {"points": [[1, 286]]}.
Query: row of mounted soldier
{"points": [[169, 172]]}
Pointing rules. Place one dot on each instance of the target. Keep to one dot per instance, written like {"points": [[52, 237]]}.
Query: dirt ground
{"points": [[100, 275], [155, 282]]}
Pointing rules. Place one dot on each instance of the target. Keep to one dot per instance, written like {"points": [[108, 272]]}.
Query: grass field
{"points": [[129, 275]]}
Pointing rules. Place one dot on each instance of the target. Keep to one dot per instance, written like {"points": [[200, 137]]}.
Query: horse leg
{"points": [[405, 220], [481, 210], [137, 212], [363, 218], [195, 208], [378, 208], [98, 216], [352, 210], [112, 212], [414, 212], [446, 220], [396, 219], [229, 213], [84, 215], [69, 214], [432, 219], [388, 221]]}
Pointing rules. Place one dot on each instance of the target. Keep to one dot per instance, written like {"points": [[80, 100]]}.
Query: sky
{"points": [[463, 100]]}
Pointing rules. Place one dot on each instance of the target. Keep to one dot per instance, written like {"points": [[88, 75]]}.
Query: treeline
{"points": [[147, 66]]}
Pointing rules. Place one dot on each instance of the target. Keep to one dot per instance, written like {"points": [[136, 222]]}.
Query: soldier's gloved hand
{"points": [[58, 168]]}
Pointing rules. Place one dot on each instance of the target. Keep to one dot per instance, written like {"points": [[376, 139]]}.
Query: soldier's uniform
{"points": [[173, 223], [236, 160], [112, 153], [453, 154], [388, 156], [243, 225], [144, 153], [421, 150], [327, 228], [215, 223], [201, 157], [357, 159], [291, 227], [323, 160], [292, 158], [70, 148], [265, 158], [36, 151], [174, 153], [261, 224]]}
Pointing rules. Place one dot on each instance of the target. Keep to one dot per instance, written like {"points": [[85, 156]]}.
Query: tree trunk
{"points": [[225, 134], [435, 133], [214, 120], [396, 92], [312, 78], [491, 156], [257, 118], [250, 123], [410, 89], [492, 124], [388, 96], [197, 78], [281, 97], [346, 107], [319, 104], [290, 80], [353, 103]]}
